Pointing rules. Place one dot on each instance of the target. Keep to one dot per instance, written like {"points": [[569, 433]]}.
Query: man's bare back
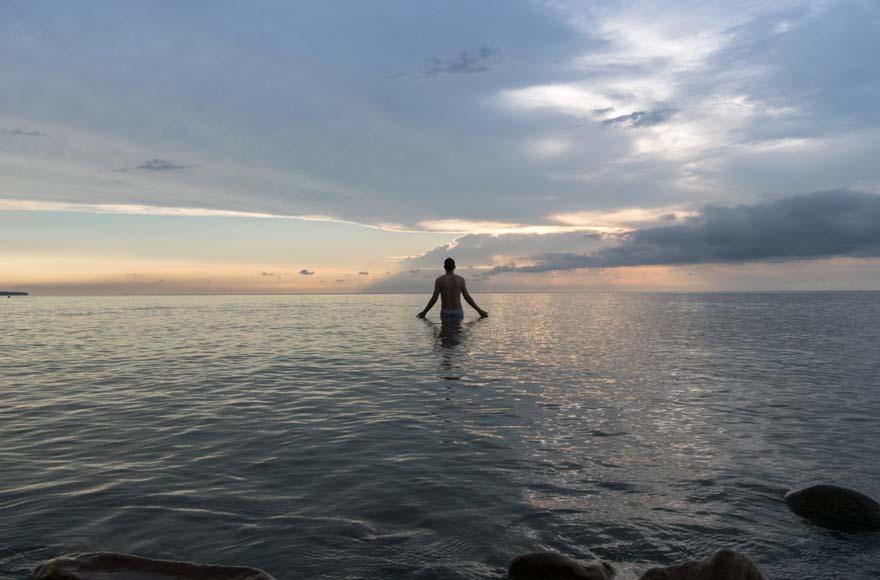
{"points": [[450, 287]]}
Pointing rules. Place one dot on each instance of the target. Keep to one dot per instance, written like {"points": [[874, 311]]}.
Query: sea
{"points": [[340, 437]]}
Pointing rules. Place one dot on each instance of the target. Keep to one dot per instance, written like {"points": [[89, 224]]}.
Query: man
{"points": [[450, 288]]}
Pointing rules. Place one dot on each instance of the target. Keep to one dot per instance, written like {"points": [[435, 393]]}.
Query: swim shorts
{"points": [[451, 314]]}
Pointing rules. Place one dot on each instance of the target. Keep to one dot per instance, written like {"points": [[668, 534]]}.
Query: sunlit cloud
{"points": [[576, 221], [152, 210], [457, 226], [622, 219], [569, 99]]}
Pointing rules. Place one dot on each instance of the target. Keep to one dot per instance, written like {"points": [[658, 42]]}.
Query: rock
{"points": [[552, 566], [723, 565], [110, 566], [835, 507]]}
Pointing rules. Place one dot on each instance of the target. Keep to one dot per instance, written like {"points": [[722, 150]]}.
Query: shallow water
{"points": [[339, 437]]}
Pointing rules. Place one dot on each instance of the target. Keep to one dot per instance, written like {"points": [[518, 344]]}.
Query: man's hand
{"points": [[420, 315], [484, 314]]}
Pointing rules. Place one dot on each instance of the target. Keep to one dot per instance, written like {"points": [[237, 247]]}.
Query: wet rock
{"points": [[110, 566], [723, 565], [552, 566], [835, 507]]}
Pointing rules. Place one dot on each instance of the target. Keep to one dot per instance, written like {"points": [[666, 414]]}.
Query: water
{"points": [[339, 437]]}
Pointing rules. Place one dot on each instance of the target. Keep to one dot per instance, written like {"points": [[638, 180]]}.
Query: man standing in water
{"points": [[450, 288]]}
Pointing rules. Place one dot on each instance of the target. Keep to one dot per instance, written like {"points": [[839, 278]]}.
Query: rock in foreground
{"points": [[835, 507], [724, 565], [552, 566], [110, 566]]}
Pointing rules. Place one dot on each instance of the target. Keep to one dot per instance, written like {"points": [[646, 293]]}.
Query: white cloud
{"points": [[153, 210], [570, 99], [547, 147], [461, 226], [622, 219]]}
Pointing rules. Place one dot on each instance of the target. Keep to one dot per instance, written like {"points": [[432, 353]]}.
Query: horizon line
{"points": [[610, 291]]}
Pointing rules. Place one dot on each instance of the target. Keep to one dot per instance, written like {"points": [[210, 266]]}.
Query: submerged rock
{"points": [[111, 566], [835, 507], [552, 566], [723, 565]]}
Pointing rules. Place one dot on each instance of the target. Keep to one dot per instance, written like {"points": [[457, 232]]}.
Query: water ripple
{"points": [[338, 437]]}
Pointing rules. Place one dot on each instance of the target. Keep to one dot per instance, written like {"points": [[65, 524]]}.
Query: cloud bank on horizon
{"points": [[602, 134], [820, 225]]}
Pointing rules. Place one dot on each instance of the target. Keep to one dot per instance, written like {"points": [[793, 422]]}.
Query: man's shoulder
{"points": [[446, 280]]}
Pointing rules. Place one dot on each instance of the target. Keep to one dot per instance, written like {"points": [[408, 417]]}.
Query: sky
{"points": [[547, 145]]}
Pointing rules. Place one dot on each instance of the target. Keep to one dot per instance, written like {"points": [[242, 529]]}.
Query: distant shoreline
{"points": [[6, 293]]}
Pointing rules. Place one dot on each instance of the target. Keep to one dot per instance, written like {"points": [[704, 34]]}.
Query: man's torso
{"points": [[450, 291]]}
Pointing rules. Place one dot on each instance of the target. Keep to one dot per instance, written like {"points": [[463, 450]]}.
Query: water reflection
{"points": [[450, 343]]}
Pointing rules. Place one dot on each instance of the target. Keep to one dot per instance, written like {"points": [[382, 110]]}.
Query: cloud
{"points": [[22, 133], [486, 249], [547, 147], [268, 274], [154, 164], [638, 119], [140, 209], [459, 226], [465, 63], [410, 281], [160, 165], [363, 273], [744, 77], [802, 227], [576, 232], [622, 218], [340, 281], [305, 272]]}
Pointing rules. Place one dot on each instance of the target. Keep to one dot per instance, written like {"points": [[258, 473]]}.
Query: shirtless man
{"points": [[450, 288]]}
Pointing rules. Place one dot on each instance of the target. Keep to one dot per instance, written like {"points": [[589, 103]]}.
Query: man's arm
{"points": [[432, 301], [469, 300]]}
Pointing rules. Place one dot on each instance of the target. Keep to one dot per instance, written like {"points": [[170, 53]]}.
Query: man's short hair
{"points": [[449, 264]]}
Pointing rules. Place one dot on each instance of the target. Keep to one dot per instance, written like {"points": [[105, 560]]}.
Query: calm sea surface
{"points": [[339, 437]]}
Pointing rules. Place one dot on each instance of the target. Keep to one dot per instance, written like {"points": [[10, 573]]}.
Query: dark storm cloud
{"points": [[465, 63], [638, 119], [803, 227], [306, 272], [22, 133]]}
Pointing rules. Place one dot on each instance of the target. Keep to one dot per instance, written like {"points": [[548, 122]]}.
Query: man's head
{"points": [[449, 264]]}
